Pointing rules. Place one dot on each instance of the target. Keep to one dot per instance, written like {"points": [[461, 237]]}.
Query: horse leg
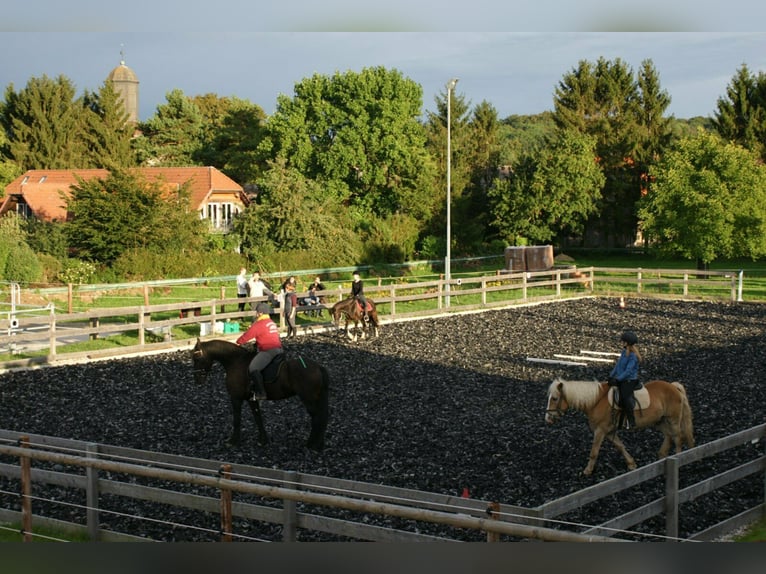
{"points": [[598, 438], [236, 422], [255, 407], [318, 412], [617, 441], [672, 433]]}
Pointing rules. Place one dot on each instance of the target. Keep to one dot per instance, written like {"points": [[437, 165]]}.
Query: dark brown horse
{"points": [[284, 378], [659, 404], [352, 310]]}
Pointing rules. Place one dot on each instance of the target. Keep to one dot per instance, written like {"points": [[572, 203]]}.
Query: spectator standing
{"points": [[291, 304], [242, 288]]}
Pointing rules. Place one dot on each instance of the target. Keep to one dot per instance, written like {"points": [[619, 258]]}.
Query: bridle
{"points": [[199, 371], [557, 413]]}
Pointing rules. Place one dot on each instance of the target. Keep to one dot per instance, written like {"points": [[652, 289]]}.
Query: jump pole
{"points": [[556, 362]]}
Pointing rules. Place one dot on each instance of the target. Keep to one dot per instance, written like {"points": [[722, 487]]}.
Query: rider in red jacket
{"points": [[265, 333]]}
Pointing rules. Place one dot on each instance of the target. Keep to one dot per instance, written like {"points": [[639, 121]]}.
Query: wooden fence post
{"points": [[671, 496], [91, 494], [492, 511], [290, 516], [226, 514], [52, 336], [142, 316], [26, 491]]}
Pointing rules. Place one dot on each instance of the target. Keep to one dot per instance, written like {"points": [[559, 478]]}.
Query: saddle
{"points": [[641, 395], [271, 372], [359, 306]]}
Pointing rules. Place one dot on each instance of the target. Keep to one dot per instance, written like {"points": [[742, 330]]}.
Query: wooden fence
{"points": [[298, 501], [156, 326]]}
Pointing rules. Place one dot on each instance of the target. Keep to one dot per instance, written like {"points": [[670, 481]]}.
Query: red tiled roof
{"points": [[42, 188]]}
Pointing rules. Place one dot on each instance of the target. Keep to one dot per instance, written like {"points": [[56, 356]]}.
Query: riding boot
{"points": [[629, 414], [257, 390]]}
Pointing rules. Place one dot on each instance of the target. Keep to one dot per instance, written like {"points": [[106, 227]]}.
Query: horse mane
{"points": [[222, 346], [579, 394]]}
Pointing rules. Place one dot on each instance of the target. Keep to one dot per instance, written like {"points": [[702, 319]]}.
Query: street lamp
{"points": [[447, 271]]}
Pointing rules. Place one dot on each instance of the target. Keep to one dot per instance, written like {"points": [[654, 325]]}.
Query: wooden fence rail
{"points": [[454, 512], [292, 489]]}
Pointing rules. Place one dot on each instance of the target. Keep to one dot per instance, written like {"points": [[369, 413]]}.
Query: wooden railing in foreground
{"points": [[286, 488], [155, 326], [259, 489]]}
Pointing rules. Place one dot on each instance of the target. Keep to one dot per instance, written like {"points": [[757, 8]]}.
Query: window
{"points": [[221, 215]]}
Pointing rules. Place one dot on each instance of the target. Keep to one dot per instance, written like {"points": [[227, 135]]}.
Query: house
{"points": [[38, 193]]}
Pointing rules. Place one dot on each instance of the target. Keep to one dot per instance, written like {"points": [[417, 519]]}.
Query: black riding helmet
{"points": [[629, 337], [262, 309]]}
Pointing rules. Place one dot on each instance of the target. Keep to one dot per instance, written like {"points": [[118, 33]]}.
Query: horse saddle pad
{"points": [[272, 369], [359, 305], [641, 395]]}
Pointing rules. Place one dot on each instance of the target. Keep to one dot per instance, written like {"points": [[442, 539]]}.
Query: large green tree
{"points": [[122, 211], [357, 134], [740, 116], [108, 132], [708, 200], [549, 193], [44, 125], [173, 136], [233, 130], [293, 213], [626, 118]]}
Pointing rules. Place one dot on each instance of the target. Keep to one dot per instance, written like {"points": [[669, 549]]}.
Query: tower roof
{"points": [[122, 74]]}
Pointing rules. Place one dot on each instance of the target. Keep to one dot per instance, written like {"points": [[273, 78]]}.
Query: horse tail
{"points": [[687, 426]]}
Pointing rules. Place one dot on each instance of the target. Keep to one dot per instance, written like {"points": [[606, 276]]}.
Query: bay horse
{"points": [[283, 378], [659, 404], [352, 310]]}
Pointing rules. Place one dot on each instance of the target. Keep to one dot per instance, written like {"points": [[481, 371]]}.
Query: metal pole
{"points": [[447, 260]]}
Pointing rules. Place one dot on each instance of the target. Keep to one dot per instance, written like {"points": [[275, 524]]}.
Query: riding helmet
{"points": [[262, 309], [629, 337]]}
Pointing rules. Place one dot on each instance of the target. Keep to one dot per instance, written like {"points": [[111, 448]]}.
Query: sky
{"points": [[239, 48]]}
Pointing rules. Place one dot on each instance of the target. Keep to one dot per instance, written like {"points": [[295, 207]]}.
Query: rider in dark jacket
{"points": [[624, 376], [357, 292]]}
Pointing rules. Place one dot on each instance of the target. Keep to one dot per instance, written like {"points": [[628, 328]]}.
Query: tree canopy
{"points": [[708, 200]]}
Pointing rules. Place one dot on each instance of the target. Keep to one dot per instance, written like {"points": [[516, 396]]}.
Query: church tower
{"points": [[125, 84]]}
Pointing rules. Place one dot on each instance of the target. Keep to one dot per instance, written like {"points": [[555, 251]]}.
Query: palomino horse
{"points": [[283, 378], [659, 404], [352, 310]]}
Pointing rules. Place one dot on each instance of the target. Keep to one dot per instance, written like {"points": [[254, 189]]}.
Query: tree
{"points": [[44, 125], [551, 193], [708, 200], [234, 129], [121, 212], [173, 136], [294, 213], [626, 119], [741, 114], [358, 135], [18, 263], [108, 132], [9, 169]]}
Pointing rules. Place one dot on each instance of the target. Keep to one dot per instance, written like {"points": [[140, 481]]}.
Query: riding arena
{"points": [[448, 405]]}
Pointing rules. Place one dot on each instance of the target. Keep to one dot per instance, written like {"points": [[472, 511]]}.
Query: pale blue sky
{"points": [[256, 54]]}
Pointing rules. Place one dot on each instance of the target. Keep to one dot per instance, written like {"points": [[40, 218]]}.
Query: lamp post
{"points": [[447, 263]]}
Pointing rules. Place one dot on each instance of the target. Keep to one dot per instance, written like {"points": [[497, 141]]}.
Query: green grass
{"points": [[12, 533]]}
